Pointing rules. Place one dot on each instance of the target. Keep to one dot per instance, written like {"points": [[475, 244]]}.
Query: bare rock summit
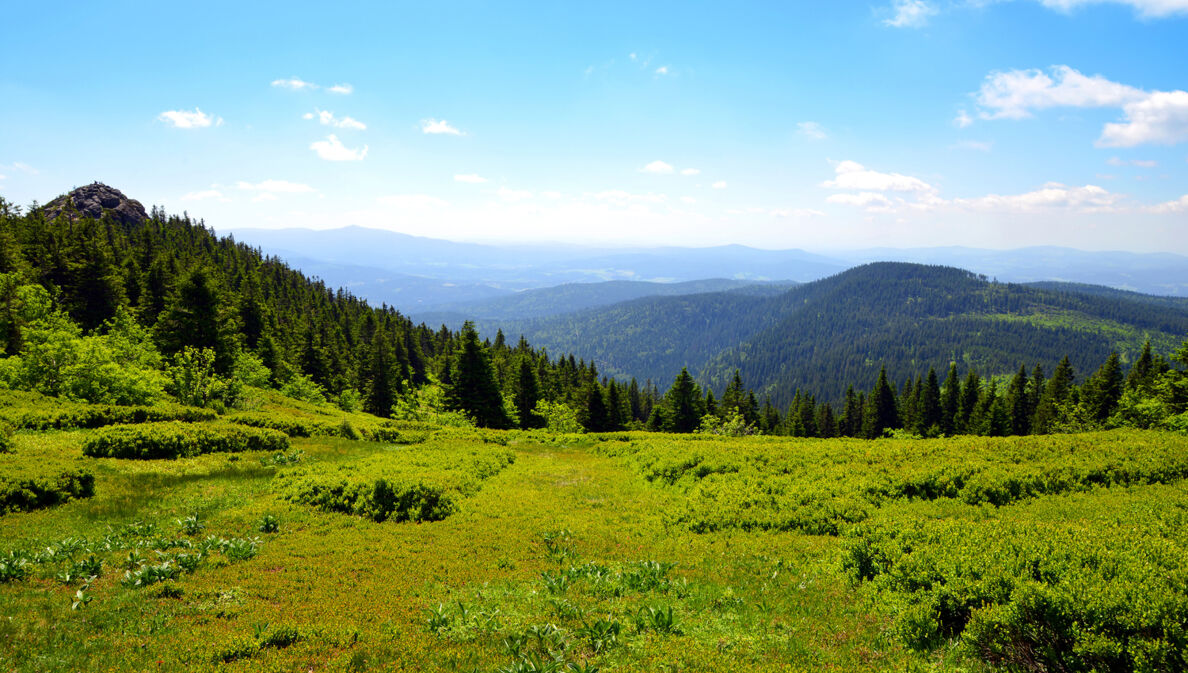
{"points": [[95, 199]]}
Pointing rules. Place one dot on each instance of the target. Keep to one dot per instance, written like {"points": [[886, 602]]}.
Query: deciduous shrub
{"points": [[180, 440], [27, 485]]}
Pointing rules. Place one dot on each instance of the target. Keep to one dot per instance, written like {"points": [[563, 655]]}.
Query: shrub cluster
{"points": [[1038, 589], [27, 486], [59, 414], [296, 426], [180, 440], [424, 484]]}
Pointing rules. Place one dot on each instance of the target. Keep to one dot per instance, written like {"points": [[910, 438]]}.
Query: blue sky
{"points": [[815, 125]]}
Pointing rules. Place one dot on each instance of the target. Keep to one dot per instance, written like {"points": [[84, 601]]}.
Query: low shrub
{"points": [[26, 485], [64, 415], [180, 440]]}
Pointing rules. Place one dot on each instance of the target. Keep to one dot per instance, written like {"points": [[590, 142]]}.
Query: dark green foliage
{"points": [[1103, 390], [881, 412], [683, 405], [180, 440], [24, 488], [474, 390], [30, 411], [527, 394], [197, 316]]}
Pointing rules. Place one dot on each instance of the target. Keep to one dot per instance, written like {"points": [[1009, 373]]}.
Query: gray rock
{"points": [[95, 199]]}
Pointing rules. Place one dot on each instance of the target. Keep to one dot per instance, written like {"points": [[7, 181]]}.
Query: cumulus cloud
{"points": [[811, 130], [720, 184], [691, 171], [1161, 119], [852, 175], [205, 195], [658, 168], [327, 118], [1179, 205], [1015, 94], [184, 119], [1150, 117], [1053, 195], [909, 14], [1145, 8], [438, 127], [472, 178], [963, 120], [343, 89], [294, 84], [332, 149], [662, 70]]}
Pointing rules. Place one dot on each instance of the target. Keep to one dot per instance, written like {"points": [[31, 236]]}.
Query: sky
{"points": [[824, 126]]}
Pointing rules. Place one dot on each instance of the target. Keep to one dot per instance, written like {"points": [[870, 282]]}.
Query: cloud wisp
{"points": [[332, 149]]}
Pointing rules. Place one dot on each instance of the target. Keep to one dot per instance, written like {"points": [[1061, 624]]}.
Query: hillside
{"points": [[571, 297], [830, 333]]}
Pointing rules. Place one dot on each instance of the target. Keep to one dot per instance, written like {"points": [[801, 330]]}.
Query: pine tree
{"points": [[527, 394], [595, 418], [197, 316], [950, 401], [1019, 419], [880, 408], [970, 394], [928, 421], [1103, 390], [474, 389], [1053, 397], [683, 402]]}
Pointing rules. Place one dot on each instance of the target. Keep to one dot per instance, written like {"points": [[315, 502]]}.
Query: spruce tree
{"points": [[527, 394], [683, 402], [880, 408], [928, 412], [950, 401], [474, 390]]}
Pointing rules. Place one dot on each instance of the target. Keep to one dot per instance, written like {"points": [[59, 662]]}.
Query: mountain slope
{"points": [[839, 330]]}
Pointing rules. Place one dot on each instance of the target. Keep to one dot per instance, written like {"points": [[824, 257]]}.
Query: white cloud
{"points": [[412, 202], [22, 167], [963, 120], [1146, 8], [720, 184], [204, 195], [184, 119], [910, 14], [1141, 163], [854, 176], [1179, 205], [1161, 118], [797, 212], [437, 127], [3, 177], [658, 168], [662, 70], [551, 195], [811, 130], [975, 145], [688, 199], [264, 196], [472, 178], [513, 195], [691, 171], [1052, 196], [344, 89], [277, 186], [332, 149], [1151, 117], [861, 199], [293, 84], [1015, 94], [327, 118]]}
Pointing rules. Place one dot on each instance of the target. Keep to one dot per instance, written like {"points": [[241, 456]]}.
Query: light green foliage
{"points": [[194, 381], [559, 417], [32, 411], [120, 366], [180, 440], [427, 404], [303, 388], [349, 400], [416, 484], [733, 425], [27, 484], [250, 370]]}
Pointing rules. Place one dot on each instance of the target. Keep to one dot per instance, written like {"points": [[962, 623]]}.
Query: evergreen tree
{"points": [[683, 402], [474, 390], [615, 407], [928, 421], [1053, 397], [381, 386], [1103, 390], [881, 413], [1142, 373], [970, 394], [950, 401], [826, 423], [527, 394], [595, 418], [1019, 419], [197, 316]]}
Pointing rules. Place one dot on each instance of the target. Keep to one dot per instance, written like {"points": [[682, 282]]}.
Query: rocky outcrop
{"points": [[95, 199]]}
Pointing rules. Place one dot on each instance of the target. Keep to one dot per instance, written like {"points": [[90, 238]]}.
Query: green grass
{"points": [[586, 549]]}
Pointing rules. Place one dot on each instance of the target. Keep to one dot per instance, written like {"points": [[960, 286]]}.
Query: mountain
{"points": [[1150, 273], [825, 334], [570, 297]]}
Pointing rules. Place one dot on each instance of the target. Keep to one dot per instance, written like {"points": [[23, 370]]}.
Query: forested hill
{"points": [[93, 264], [825, 335]]}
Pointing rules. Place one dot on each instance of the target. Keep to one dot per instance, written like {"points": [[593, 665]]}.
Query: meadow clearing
{"points": [[294, 540]]}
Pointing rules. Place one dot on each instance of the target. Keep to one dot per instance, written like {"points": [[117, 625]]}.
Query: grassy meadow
{"points": [[350, 543]]}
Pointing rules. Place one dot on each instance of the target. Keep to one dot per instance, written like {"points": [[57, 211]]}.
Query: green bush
{"points": [[408, 485], [69, 416], [180, 440], [27, 485]]}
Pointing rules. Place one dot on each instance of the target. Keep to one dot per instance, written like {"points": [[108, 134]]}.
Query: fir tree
{"points": [[474, 390]]}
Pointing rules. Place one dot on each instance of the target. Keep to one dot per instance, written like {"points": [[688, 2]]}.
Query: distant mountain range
{"points": [[822, 335], [421, 275]]}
